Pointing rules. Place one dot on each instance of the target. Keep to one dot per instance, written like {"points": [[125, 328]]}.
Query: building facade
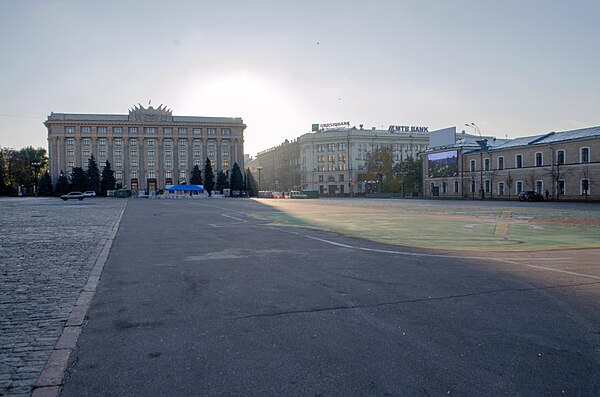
{"points": [[148, 148], [561, 165], [279, 167]]}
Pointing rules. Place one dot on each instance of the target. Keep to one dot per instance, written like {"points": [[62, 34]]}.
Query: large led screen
{"points": [[444, 164]]}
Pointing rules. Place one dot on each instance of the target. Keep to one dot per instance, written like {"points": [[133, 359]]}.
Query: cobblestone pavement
{"points": [[47, 250]]}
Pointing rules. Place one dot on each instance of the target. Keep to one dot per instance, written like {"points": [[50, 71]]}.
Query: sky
{"points": [[514, 68]]}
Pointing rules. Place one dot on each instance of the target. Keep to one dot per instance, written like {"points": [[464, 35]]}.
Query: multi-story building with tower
{"points": [[148, 148]]}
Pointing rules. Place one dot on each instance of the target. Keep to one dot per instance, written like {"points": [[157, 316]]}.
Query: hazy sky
{"points": [[513, 67]]}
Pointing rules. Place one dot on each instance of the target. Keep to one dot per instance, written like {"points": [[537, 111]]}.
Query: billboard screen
{"points": [[444, 164]]}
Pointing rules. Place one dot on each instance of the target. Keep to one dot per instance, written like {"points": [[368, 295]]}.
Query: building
{"points": [[148, 148], [333, 160], [563, 165]]}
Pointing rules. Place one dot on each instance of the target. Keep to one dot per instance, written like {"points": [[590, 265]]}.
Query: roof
{"points": [[550, 137]]}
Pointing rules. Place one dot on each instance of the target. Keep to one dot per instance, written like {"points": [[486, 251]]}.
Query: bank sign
{"points": [[340, 124], [407, 128]]}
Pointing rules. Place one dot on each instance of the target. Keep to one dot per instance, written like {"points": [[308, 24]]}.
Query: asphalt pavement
{"points": [[197, 297]]}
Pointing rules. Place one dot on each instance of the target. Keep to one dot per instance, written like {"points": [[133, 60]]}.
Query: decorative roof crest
{"points": [[139, 113]]}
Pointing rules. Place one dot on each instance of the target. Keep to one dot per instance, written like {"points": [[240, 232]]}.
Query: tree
{"points": [[92, 175], [62, 185], [509, 182], [251, 184], [222, 182], [78, 180], [196, 178], [3, 186], [209, 177], [107, 179], [236, 180], [410, 174], [45, 186]]}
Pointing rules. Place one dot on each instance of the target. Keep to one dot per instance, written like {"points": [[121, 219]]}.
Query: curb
{"points": [[50, 380]]}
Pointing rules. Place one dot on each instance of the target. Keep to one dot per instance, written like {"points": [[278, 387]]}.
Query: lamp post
{"points": [[482, 146], [36, 169]]}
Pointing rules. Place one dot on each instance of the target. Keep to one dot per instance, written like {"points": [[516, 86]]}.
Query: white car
{"points": [[89, 193]]}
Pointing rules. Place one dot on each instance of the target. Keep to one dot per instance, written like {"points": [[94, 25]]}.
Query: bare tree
{"points": [[509, 182]]}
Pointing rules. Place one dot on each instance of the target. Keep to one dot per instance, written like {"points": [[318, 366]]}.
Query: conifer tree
{"points": [[196, 178], [237, 179], [45, 185], [209, 177], [92, 176], [78, 180], [251, 185], [62, 185], [107, 179], [222, 182]]}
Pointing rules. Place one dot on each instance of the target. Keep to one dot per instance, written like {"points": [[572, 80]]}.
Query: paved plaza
{"points": [[298, 297]]}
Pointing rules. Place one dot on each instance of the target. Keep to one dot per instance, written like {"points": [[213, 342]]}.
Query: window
{"points": [[86, 130], [585, 187], [539, 187], [487, 185], [71, 164], [86, 153], [182, 152], [133, 152], [182, 176], [70, 153], [225, 164], [151, 163], [102, 141], [198, 163], [519, 161], [70, 141], [444, 187], [150, 130], [150, 152], [331, 158], [500, 163], [197, 153], [342, 157], [320, 148], [341, 179], [212, 131], [133, 130], [133, 142], [167, 130], [501, 188], [118, 142], [118, 153], [101, 130], [455, 186], [102, 153], [118, 163], [225, 143], [182, 142], [342, 146], [134, 174], [211, 153], [197, 131], [320, 178], [560, 187], [560, 157], [342, 167], [197, 142], [119, 174], [69, 130], [117, 130], [168, 153], [182, 163], [168, 174], [331, 147], [585, 155], [519, 187], [472, 165], [225, 153], [86, 141], [473, 186], [151, 174], [150, 142], [539, 160], [134, 163], [169, 163], [212, 143], [321, 158], [487, 164], [182, 130], [225, 131], [168, 142]]}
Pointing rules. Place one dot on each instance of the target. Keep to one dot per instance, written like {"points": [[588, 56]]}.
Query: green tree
{"points": [[92, 176], [62, 185], [45, 187], [222, 182], [196, 178], [236, 182], [251, 185], [78, 180], [107, 179], [409, 173], [209, 177], [380, 165]]}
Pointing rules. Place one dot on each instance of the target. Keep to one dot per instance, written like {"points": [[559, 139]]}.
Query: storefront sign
{"points": [[407, 128], [317, 127]]}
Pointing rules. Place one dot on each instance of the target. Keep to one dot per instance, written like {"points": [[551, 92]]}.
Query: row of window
{"points": [[149, 142], [538, 160], [147, 130], [362, 147], [134, 152], [151, 174], [584, 187]]}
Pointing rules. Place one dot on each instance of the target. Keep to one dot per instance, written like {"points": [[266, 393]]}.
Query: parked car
{"points": [[89, 193], [530, 195], [72, 196], [294, 194]]}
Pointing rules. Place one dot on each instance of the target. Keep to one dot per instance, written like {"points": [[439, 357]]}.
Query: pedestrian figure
{"points": [[546, 194]]}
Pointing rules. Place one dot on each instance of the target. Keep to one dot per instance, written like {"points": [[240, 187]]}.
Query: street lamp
{"points": [[482, 146], [36, 168]]}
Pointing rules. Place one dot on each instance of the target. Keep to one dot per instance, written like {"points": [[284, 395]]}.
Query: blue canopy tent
{"points": [[185, 188]]}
